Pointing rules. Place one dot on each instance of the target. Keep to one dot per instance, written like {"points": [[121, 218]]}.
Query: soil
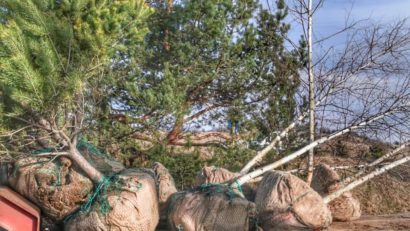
{"points": [[400, 221], [385, 200]]}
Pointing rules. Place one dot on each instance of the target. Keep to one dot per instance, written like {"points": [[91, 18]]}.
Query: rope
{"points": [[238, 186], [219, 188], [44, 150]]}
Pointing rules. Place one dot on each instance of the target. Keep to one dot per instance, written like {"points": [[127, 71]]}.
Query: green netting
{"points": [[44, 150], [238, 186], [83, 144], [212, 189], [100, 194], [180, 228], [102, 187]]}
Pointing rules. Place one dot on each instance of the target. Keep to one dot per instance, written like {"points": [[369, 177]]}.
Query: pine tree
{"points": [[203, 56], [53, 57]]}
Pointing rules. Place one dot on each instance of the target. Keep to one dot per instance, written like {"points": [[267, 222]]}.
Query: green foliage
{"points": [[60, 59], [200, 54], [54, 55], [183, 167], [213, 53], [376, 151], [232, 158]]}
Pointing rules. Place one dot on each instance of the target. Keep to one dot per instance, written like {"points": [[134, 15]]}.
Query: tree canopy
{"points": [[207, 63], [54, 57], [52, 52]]}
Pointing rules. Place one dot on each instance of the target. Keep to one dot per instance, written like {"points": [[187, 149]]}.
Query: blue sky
{"points": [[331, 17]]}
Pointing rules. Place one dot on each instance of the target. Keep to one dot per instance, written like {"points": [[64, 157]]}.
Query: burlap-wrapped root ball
{"points": [[212, 207], [165, 188], [57, 186], [133, 205], [326, 181], [285, 202], [165, 183], [212, 175]]}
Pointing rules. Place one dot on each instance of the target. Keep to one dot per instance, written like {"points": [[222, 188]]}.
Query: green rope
{"points": [[238, 186], [44, 150], [101, 188], [84, 144], [81, 144], [58, 175], [86, 207], [219, 188]]}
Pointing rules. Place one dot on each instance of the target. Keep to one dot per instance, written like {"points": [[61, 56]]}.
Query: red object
{"points": [[17, 213]]}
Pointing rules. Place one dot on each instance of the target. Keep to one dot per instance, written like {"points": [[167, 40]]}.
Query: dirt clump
{"points": [[56, 186], [392, 222]]}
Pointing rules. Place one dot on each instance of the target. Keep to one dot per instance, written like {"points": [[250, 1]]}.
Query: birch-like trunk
{"points": [[311, 96], [258, 157], [365, 178], [302, 170], [245, 178], [374, 163]]}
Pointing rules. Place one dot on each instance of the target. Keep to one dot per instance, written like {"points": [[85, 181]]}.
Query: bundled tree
{"points": [[53, 54], [55, 57]]}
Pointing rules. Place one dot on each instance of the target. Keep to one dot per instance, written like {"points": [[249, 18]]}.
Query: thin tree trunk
{"points": [[374, 163], [365, 178], [84, 165], [311, 96], [55, 135], [301, 170], [245, 178], [258, 157], [169, 6], [62, 139], [176, 130]]}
